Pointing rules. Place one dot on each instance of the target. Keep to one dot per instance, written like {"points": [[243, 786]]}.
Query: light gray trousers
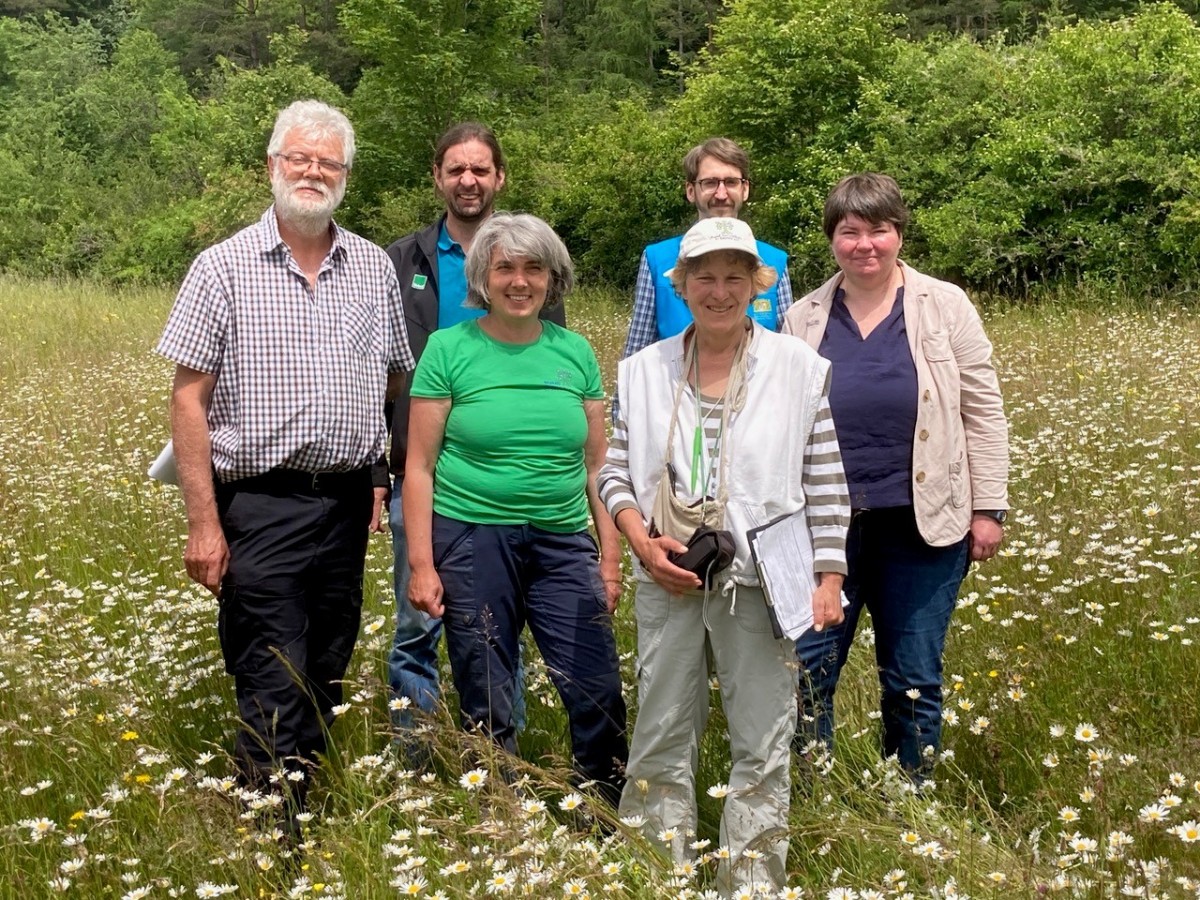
{"points": [[757, 675]]}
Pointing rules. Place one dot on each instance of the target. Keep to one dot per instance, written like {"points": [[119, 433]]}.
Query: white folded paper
{"points": [[783, 556], [163, 468]]}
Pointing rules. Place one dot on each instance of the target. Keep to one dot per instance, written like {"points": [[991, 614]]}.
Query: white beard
{"points": [[309, 217]]}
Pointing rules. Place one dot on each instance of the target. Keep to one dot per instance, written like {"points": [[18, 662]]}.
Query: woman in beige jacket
{"points": [[924, 441]]}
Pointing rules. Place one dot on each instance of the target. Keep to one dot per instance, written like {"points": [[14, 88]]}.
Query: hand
{"points": [[612, 594], [614, 583], [377, 518], [665, 573], [207, 556], [985, 537], [827, 601], [425, 591]]}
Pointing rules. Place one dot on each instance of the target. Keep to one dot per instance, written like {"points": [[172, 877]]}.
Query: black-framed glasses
{"points": [[298, 162], [709, 185]]}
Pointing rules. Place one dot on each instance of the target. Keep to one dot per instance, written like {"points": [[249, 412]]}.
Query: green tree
{"points": [[1073, 157], [785, 78], [45, 135], [433, 62], [245, 33]]}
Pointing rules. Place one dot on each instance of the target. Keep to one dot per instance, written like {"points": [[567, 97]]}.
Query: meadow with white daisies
{"points": [[1071, 762]]}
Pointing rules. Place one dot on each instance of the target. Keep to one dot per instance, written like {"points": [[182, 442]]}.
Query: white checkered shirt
{"points": [[301, 373]]}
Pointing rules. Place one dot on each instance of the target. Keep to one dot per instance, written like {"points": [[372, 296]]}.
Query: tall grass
{"points": [[1072, 741]]}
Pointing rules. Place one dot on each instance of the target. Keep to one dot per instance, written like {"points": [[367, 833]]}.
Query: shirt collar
{"points": [[446, 243], [677, 357], [272, 240]]}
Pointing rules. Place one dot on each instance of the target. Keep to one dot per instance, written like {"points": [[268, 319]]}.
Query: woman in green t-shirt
{"points": [[506, 435]]}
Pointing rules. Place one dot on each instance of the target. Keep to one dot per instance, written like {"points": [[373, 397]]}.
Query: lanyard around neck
{"points": [[702, 462]]}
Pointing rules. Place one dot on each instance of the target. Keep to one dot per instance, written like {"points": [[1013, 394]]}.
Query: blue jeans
{"points": [[910, 589], [498, 578], [413, 662]]}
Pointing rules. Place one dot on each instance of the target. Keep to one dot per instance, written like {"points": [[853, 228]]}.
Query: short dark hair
{"points": [[868, 195], [721, 148], [461, 134]]}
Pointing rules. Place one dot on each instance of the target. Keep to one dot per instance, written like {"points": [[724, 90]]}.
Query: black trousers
{"points": [[290, 609]]}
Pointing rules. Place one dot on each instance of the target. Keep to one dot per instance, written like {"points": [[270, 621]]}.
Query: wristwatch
{"points": [[999, 515]]}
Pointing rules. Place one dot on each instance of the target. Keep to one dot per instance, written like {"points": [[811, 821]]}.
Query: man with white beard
{"points": [[286, 338]]}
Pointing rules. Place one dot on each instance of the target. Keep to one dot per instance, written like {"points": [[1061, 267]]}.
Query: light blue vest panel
{"points": [[671, 311]]}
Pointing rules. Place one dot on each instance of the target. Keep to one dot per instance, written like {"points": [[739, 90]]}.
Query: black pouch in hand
{"points": [[708, 552]]}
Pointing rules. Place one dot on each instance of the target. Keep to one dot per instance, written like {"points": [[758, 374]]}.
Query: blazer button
{"points": [[926, 397], [924, 435], [920, 478]]}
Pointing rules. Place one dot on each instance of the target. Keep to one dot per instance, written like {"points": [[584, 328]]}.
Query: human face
{"points": [[866, 251], [468, 181], [720, 201], [718, 291], [517, 287], [306, 198]]}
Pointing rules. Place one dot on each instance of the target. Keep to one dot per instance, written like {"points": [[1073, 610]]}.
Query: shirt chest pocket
{"points": [[936, 346], [361, 329]]}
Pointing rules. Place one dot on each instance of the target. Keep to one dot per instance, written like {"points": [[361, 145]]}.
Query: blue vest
{"points": [[671, 310]]}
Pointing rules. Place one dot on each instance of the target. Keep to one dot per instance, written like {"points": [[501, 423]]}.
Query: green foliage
{"points": [[609, 188], [113, 167], [1073, 157], [778, 71], [245, 33], [1059, 151], [433, 62], [613, 45], [1008, 20]]}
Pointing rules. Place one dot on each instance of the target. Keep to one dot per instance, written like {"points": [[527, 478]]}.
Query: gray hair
{"points": [[313, 117], [514, 235]]}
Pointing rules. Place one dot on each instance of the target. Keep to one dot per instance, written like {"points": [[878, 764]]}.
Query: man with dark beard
{"points": [[285, 338], [468, 172]]}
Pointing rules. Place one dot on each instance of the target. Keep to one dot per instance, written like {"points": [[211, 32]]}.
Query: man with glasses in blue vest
{"points": [[717, 184]]}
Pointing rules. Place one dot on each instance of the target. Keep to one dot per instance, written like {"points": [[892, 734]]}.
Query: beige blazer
{"points": [[960, 446]]}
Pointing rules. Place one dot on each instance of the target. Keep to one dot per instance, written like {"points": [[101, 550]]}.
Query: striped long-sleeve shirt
{"points": [[826, 496]]}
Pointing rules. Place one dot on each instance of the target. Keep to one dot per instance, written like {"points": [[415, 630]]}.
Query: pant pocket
{"points": [[751, 612], [449, 535], [254, 630]]}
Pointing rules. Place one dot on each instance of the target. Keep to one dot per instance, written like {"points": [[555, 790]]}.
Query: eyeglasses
{"points": [[298, 162], [709, 185]]}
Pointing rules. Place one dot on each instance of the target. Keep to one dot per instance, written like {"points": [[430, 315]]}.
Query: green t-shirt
{"points": [[513, 449]]}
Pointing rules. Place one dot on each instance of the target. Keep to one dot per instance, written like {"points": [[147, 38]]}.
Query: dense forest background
{"points": [[1041, 144]]}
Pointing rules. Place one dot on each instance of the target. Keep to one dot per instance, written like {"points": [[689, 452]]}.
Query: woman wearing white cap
{"points": [[726, 426]]}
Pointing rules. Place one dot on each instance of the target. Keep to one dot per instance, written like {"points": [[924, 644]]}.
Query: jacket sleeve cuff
{"points": [[379, 473]]}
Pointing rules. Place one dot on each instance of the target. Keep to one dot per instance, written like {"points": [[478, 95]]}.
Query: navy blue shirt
{"points": [[873, 397]]}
